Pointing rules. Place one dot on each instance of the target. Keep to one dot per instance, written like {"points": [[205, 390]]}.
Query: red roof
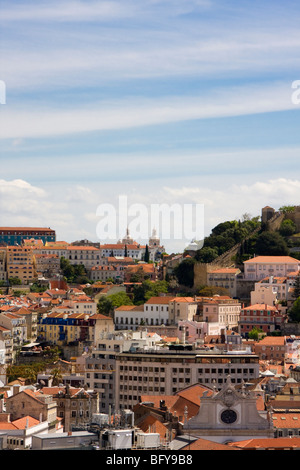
{"points": [[272, 259]]}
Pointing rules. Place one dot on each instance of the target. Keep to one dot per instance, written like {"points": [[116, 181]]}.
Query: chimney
{"points": [[16, 389], [5, 417]]}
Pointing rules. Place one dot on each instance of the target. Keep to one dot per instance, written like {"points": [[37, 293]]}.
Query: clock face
{"points": [[228, 416]]}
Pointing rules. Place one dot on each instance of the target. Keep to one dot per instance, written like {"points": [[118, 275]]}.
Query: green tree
{"points": [[147, 255], [107, 304], [104, 305], [14, 281], [296, 291], [185, 272], [254, 333], [294, 312], [271, 244], [287, 209], [287, 228], [149, 289], [206, 255], [209, 291]]}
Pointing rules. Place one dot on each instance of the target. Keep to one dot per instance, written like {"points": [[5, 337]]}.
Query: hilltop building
{"points": [[16, 235]]}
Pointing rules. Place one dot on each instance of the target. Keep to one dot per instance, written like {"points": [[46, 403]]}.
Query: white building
{"points": [[164, 372], [222, 310], [161, 310], [100, 365], [182, 308]]}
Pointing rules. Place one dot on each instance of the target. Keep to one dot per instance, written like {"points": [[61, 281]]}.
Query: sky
{"points": [[162, 102]]}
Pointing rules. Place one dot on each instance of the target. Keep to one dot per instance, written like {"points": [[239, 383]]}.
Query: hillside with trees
{"points": [[254, 238]]}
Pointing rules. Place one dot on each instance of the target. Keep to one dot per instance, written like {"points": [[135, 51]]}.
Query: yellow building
{"points": [[20, 263]]}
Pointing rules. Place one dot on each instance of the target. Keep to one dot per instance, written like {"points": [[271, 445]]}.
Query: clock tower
{"points": [[229, 415]]}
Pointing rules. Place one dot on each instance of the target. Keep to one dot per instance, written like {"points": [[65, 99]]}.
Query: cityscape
{"points": [[126, 347], [149, 228]]}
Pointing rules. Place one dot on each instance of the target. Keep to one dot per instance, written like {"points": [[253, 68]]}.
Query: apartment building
{"points": [[75, 406], [166, 372], [263, 294], [182, 309], [261, 316], [100, 365], [3, 272], [47, 265], [282, 285], [31, 319], [87, 307], [16, 235], [104, 273], [271, 348], [16, 324], [6, 345], [67, 327], [225, 278], [89, 256], [20, 263], [260, 267], [220, 309], [133, 250], [154, 312]]}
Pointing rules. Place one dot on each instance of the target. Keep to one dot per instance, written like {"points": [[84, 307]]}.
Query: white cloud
{"points": [[135, 112], [66, 11], [24, 204]]}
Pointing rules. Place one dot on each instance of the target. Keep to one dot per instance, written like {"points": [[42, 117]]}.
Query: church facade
{"points": [[229, 415]]}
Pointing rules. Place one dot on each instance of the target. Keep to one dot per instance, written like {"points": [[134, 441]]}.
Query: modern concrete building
{"points": [[165, 372]]}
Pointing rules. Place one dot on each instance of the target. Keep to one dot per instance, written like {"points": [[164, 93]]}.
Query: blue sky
{"points": [[165, 101]]}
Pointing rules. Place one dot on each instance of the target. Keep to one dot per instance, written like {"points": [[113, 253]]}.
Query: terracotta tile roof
{"points": [[183, 299], [272, 259], [225, 271], [5, 426], [22, 423], [261, 307], [82, 248], [269, 443], [4, 329], [204, 444], [272, 340], [138, 308], [160, 300], [155, 399], [155, 426], [194, 393], [120, 246], [286, 420], [100, 316]]}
